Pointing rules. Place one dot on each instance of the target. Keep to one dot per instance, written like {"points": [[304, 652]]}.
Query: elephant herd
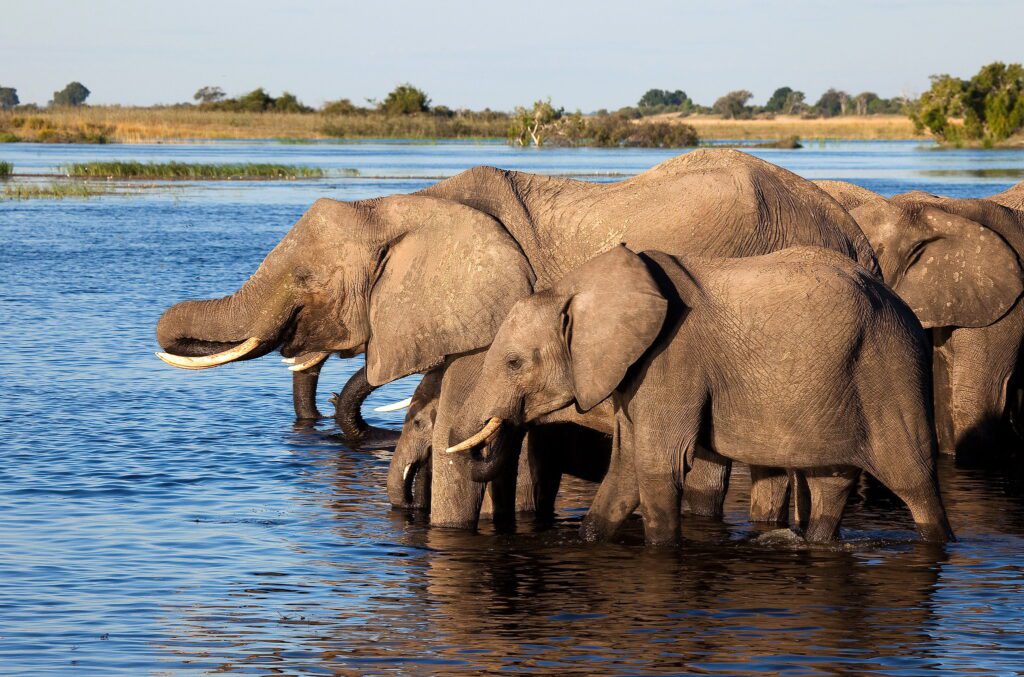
{"points": [[647, 333]]}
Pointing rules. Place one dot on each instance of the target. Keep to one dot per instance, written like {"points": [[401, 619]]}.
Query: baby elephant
{"points": [[797, 359]]}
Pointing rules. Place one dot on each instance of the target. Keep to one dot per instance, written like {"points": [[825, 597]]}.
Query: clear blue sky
{"points": [[585, 55]]}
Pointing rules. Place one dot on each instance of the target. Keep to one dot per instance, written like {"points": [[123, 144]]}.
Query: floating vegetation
{"points": [[980, 173], [6, 169], [52, 191], [185, 170]]}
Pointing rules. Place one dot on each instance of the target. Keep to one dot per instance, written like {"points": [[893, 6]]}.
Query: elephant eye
{"points": [[416, 423], [514, 362]]}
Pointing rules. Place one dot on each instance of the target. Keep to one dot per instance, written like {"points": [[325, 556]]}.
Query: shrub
{"points": [[6, 168], [209, 94], [341, 107], [405, 100], [74, 94], [991, 104], [733, 104], [8, 98]]}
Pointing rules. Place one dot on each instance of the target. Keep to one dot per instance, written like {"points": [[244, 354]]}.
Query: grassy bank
{"points": [[868, 127], [101, 124], [184, 170]]}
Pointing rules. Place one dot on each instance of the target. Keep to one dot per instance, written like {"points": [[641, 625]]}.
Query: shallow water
{"points": [[155, 521]]}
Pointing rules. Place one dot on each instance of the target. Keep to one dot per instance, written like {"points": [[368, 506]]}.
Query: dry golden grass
{"points": [[137, 125], [872, 127]]}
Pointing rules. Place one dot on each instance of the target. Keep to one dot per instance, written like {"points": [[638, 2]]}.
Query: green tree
{"points": [[74, 94], [795, 103], [209, 94], [991, 105], [405, 99], [832, 103], [733, 104], [8, 98], [288, 103], [256, 101], [663, 100], [777, 101]]}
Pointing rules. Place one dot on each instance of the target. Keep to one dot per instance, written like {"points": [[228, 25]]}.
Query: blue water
{"points": [[155, 521]]}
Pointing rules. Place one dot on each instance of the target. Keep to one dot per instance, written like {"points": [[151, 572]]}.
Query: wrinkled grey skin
{"points": [[816, 366], [418, 280], [347, 407], [409, 472], [957, 264]]}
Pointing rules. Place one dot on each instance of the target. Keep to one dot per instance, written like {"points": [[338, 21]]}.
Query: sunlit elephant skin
{"points": [[957, 264], [413, 280], [817, 366]]}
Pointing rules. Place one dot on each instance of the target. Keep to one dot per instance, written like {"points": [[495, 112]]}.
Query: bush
{"points": [[604, 131], [209, 94], [663, 101], [733, 104], [991, 105], [8, 98], [74, 94], [342, 107], [259, 101], [405, 100], [6, 168]]}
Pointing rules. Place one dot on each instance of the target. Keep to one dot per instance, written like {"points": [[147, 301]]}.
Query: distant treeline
{"points": [[987, 109]]}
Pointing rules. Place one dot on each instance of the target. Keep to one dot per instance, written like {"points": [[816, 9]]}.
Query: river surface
{"points": [[157, 521]]}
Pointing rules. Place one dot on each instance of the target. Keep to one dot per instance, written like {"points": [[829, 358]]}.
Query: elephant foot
{"points": [[780, 537]]}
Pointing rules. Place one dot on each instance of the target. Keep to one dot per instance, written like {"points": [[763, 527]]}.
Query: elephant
{"points": [[816, 366], [421, 280], [957, 264], [409, 471]]}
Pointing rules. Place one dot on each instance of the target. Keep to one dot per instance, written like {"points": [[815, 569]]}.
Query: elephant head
{"points": [[568, 346], [407, 279], [408, 474], [954, 269]]}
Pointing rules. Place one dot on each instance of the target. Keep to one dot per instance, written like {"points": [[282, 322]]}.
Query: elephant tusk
{"points": [[308, 361], [488, 431], [288, 360], [395, 406], [207, 361], [405, 473]]}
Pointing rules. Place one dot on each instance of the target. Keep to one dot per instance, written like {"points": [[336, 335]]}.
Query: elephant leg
{"points": [[983, 360], [540, 472], [304, 393], [616, 499], [769, 494], [706, 483], [658, 479], [829, 488], [942, 365]]}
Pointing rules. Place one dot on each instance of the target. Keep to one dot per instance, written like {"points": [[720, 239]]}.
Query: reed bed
{"points": [[51, 191], [6, 169], [188, 171]]}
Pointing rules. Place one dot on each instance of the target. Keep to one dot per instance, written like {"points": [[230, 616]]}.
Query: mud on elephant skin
{"points": [[957, 264], [793, 329]]}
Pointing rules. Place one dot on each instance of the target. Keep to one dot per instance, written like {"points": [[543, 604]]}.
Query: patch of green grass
{"points": [[51, 191], [6, 169], [8, 137], [185, 170]]}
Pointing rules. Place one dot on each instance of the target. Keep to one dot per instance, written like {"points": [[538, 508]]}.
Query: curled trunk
{"points": [[348, 414]]}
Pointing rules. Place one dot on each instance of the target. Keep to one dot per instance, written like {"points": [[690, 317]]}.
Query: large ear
{"points": [[444, 288], [614, 313], [964, 275]]}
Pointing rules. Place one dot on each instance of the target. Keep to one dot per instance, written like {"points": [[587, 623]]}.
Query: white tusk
{"points": [[395, 406], [481, 437], [311, 361], [288, 360], [405, 473], [207, 361]]}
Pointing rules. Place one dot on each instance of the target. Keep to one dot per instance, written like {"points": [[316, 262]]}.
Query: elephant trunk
{"points": [[348, 412], [200, 328]]}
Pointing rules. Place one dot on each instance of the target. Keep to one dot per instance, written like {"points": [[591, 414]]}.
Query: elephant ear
{"points": [[442, 289], [614, 313], [962, 275]]}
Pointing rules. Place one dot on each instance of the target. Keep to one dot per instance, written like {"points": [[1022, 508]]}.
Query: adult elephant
{"points": [[957, 264], [420, 280]]}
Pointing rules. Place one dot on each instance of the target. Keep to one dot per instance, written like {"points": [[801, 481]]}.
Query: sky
{"points": [[583, 55]]}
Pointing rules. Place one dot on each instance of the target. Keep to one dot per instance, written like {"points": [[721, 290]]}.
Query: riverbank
{"points": [[116, 124]]}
